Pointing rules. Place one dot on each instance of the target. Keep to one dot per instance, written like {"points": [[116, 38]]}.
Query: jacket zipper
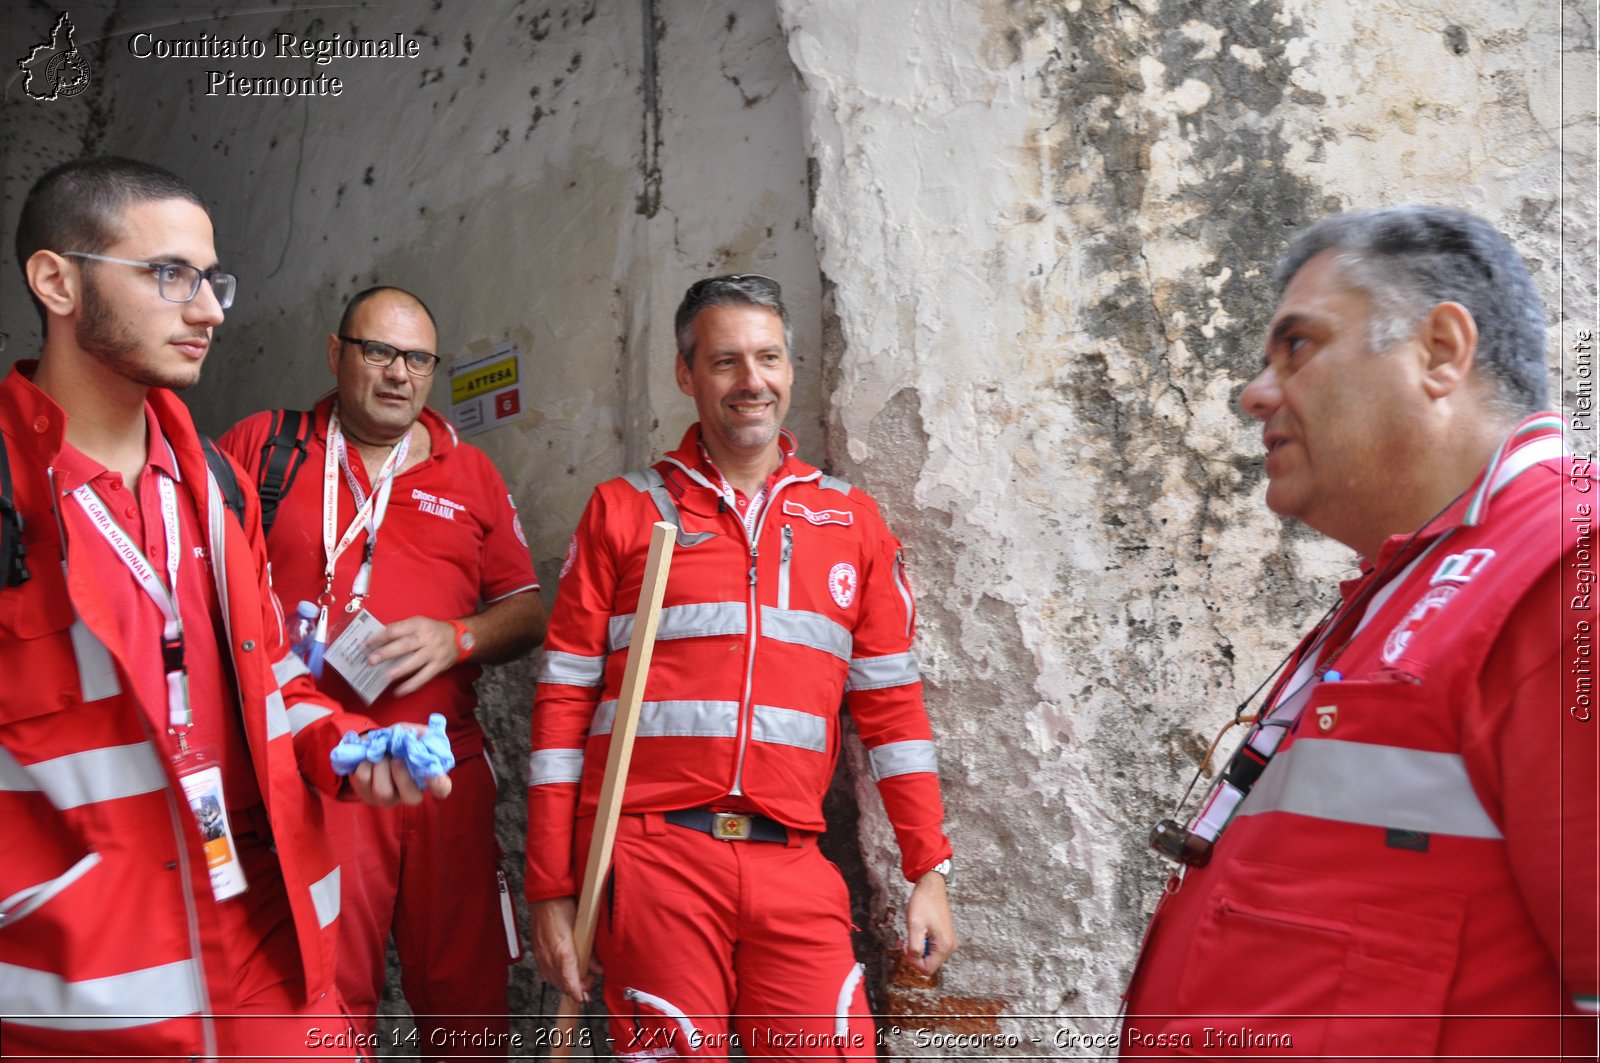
{"points": [[754, 629], [783, 566]]}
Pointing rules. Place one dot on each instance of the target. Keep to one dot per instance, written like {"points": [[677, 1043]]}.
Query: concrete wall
{"points": [[1045, 228], [1025, 242]]}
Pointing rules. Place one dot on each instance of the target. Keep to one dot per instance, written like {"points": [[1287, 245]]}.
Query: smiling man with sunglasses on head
{"points": [[145, 684], [787, 601], [393, 517]]}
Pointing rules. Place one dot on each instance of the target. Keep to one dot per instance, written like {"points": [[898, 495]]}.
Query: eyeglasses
{"points": [[373, 352], [698, 288], [176, 281]]}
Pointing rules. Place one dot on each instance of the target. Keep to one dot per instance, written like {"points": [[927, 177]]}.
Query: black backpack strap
{"points": [[13, 569], [227, 480], [281, 457]]}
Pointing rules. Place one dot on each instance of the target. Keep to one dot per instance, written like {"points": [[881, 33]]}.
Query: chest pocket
{"points": [[47, 663], [1307, 950], [817, 599], [819, 570]]}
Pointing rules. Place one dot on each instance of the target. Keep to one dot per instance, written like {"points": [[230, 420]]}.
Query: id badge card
{"points": [[348, 656], [201, 779]]}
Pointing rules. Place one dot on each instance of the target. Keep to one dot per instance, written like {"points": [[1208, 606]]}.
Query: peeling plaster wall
{"points": [[1045, 230]]}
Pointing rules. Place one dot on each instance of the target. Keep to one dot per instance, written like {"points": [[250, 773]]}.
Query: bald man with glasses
{"points": [[394, 523]]}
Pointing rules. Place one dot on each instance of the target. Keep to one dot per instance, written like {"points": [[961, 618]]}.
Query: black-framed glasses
{"points": [[177, 282], [376, 352]]}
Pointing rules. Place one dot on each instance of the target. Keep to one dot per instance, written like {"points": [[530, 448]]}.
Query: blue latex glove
{"points": [[425, 755]]}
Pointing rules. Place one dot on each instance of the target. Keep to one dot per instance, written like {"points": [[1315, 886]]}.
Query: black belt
{"points": [[729, 826]]}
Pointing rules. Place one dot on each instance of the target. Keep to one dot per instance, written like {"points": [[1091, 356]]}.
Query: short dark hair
{"points": [[362, 296], [1409, 259], [733, 289], [78, 207]]}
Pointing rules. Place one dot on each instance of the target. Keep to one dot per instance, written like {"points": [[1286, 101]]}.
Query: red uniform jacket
{"points": [[759, 644], [1414, 874], [108, 937]]}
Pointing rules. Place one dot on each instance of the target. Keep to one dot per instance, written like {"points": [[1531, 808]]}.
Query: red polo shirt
{"points": [[449, 545], [212, 695]]}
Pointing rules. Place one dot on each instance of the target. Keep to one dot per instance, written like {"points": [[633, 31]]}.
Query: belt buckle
{"points": [[730, 826]]}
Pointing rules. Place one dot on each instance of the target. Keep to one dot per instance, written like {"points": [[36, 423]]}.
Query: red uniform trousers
{"points": [[257, 987], [429, 874], [698, 935], [266, 1015]]}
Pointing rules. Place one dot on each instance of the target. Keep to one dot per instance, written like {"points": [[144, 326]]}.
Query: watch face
{"points": [[467, 641]]}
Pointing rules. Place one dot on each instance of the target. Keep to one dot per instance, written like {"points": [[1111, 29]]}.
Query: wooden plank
{"points": [[645, 620]]}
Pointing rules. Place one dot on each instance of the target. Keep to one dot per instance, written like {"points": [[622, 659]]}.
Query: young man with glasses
{"points": [[145, 683], [787, 598], [393, 516]]}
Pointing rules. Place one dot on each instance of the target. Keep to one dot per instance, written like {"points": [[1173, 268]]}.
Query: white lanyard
{"points": [[165, 596], [369, 512], [751, 511]]}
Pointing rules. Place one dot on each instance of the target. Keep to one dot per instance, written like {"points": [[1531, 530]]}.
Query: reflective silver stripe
{"points": [[833, 483], [325, 897], [696, 620], [25, 901], [277, 716], [97, 675], [650, 482], [875, 673], [89, 776], [675, 719], [1379, 786], [304, 714], [217, 529], [12, 776], [288, 667], [548, 766], [900, 585], [841, 1010], [643, 479], [788, 727], [903, 758], [801, 628], [117, 1002], [572, 669]]}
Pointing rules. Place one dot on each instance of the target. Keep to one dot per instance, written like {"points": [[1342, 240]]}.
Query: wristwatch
{"points": [[945, 868], [464, 640]]}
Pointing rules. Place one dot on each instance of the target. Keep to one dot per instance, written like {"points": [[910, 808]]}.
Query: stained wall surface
{"points": [[1026, 244]]}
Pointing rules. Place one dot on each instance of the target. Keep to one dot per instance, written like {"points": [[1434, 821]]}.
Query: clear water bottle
{"points": [[303, 629]]}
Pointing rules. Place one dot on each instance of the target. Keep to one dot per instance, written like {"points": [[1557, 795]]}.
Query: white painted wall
{"points": [[1047, 227]]}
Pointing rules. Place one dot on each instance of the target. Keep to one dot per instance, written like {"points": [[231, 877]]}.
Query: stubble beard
{"points": [[751, 437], [113, 343]]}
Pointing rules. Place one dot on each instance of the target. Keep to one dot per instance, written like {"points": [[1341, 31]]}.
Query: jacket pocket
{"points": [[39, 664], [1337, 967]]}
